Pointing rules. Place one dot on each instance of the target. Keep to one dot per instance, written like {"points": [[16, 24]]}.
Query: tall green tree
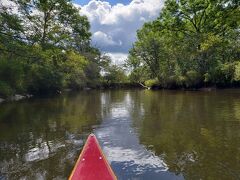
{"points": [[190, 44], [45, 47], [54, 23]]}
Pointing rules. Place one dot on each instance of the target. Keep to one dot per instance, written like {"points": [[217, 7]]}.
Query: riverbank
{"points": [[119, 86], [197, 86], [16, 97], [114, 86]]}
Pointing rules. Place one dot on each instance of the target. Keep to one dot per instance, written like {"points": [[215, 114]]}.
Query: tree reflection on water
{"points": [[145, 134]]}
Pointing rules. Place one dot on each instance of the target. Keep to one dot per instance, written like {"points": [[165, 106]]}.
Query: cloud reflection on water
{"points": [[120, 141]]}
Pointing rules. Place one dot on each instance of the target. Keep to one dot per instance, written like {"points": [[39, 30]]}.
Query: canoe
{"points": [[92, 164]]}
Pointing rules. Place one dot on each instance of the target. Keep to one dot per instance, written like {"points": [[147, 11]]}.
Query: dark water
{"points": [[144, 134]]}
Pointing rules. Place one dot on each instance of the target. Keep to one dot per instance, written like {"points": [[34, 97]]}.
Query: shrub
{"points": [[73, 69], [181, 80], [151, 82], [207, 78], [115, 74], [193, 79], [224, 74], [237, 72], [44, 78], [11, 76], [5, 89]]}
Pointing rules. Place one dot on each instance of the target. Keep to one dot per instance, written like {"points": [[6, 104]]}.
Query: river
{"points": [[165, 135]]}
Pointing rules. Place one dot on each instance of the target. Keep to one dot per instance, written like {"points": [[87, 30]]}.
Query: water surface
{"points": [[145, 134]]}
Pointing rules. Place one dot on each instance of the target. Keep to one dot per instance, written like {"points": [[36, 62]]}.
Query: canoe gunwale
{"points": [[102, 155]]}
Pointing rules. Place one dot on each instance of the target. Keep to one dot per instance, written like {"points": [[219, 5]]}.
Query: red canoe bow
{"points": [[92, 164]]}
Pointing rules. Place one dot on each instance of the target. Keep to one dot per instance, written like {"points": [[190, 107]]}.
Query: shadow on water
{"points": [[144, 134], [41, 138], [196, 133]]}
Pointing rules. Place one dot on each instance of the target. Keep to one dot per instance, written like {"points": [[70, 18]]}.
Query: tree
{"points": [[190, 44], [54, 23], [45, 47], [115, 75]]}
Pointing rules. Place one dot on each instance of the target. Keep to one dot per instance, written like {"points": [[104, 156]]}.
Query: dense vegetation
{"points": [[191, 44], [45, 47]]}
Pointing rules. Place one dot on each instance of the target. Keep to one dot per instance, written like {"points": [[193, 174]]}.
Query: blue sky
{"points": [[114, 22], [112, 2]]}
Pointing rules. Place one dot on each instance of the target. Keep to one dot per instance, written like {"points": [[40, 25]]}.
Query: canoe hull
{"points": [[92, 164]]}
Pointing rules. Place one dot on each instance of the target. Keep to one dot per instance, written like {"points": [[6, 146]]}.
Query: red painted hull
{"points": [[92, 164]]}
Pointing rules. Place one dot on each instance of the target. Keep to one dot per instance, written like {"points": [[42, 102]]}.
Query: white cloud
{"points": [[100, 36], [6, 3], [114, 27], [117, 58], [12, 7]]}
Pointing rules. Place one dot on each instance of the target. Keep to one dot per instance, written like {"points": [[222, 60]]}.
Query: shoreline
{"points": [[15, 97], [122, 86]]}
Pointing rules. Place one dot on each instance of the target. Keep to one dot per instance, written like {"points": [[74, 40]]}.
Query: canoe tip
{"points": [[91, 135]]}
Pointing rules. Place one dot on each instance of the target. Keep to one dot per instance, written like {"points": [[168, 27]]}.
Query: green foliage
{"points": [[237, 72], [44, 78], [193, 78], [58, 24], [5, 89], [73, 68], [139, 71], [57, 70], [224, 73], [11, 76], [191, 44], [46, 51], [115, 75], [139, 75], [151, 82]]}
